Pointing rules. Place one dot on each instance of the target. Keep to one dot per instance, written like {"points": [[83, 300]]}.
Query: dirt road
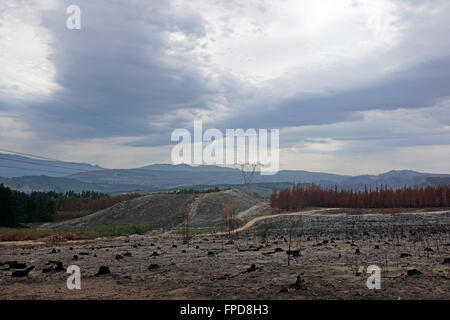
{"points": [[250, 224]]}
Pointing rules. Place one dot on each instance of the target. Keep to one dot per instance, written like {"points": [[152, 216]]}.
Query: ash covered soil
{"points": [[254, 265]]}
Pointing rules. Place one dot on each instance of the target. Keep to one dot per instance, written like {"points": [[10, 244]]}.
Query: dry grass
{"points": [[11, 234]]}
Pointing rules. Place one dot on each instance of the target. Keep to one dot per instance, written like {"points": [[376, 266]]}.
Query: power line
{"points": [[30, 155], [39, 164], [33, 169], [45, 158]]}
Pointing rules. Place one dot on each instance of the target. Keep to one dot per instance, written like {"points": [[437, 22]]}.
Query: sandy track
{"points": [[250, 224]]}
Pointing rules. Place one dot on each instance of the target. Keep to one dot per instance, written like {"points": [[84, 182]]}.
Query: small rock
{"points": [[414, 272], [153, 266], [298, 283], [446, 261], [357, 251], [211, 253], [103, 270], [16, 265], [251, 269], [405, 255], [377, 247], [56, 266], [127, 254], [294, 253], [53, 251], [119, 257], [22, 273], [174, 246], [428, 249], [59, 266], [75, 258], [154, 254]]}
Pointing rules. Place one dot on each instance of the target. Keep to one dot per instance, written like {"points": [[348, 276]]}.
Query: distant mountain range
{"points": [[62, 176], [18, 166]]}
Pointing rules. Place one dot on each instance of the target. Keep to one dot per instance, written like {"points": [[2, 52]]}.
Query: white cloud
{"points": [[296, 48], [259, 41], [381, 140], [255, 56], [13, 132], [25, 48]]}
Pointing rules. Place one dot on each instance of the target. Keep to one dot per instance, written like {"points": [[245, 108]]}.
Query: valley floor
{"points": [[333, 248]]}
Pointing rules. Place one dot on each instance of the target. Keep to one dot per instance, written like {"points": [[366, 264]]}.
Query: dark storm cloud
{"points": [[113, 73], [117, 80], [420, 86]]}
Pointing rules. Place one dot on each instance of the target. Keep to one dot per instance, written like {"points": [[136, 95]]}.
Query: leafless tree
{"points": [[228, 216], [295, 229], [184, 213]]}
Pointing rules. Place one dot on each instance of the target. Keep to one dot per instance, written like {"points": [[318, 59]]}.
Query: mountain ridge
{"points": [[169, 176]]}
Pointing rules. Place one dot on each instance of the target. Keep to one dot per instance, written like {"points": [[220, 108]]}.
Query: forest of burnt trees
{"points": [[301, 196]]}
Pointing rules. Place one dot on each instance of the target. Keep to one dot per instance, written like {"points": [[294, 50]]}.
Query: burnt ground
{"points": [[160, 210], [213, 267]]}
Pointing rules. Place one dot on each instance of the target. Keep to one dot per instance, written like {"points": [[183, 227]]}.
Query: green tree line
{"points": [[18, 207]]}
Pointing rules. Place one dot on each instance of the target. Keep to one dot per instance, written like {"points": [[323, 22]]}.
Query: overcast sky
{"points": [[354, 86]]}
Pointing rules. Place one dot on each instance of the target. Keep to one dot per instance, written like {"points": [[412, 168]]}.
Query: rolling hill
{"points": [[18, 166], [79, 176]]}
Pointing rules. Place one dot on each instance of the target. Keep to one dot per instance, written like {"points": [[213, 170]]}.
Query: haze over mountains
{"points": [[29, 174]]}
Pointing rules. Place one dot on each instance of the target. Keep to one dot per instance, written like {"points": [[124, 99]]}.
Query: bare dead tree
{"points": [[184, 213], [295, 229], [228, 216]]}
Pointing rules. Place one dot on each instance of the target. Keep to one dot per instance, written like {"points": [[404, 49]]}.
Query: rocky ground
{"points": [[334, 252]]}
